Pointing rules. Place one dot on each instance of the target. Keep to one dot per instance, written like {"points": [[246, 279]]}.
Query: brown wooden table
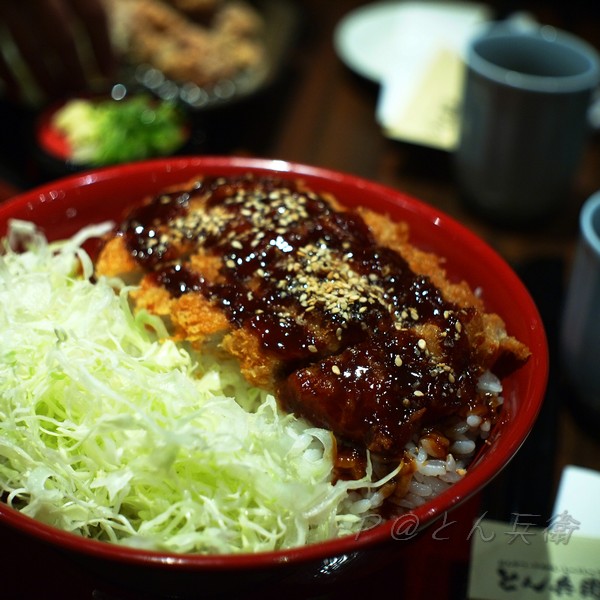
{"points": [[319, 112]]}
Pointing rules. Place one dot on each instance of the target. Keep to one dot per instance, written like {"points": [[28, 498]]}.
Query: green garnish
{"points": [[116, 131]]}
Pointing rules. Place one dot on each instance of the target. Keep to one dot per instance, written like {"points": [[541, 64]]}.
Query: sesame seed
{"points": [[269, 232]]}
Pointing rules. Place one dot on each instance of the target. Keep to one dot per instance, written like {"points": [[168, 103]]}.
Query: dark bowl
{"points": [[63, 207]]}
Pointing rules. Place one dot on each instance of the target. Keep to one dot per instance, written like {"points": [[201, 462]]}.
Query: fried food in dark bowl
{"points": [[384, 428]]}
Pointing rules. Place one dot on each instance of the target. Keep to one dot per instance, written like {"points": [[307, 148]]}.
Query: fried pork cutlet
{"points": [[189, 41], [331, 309]]}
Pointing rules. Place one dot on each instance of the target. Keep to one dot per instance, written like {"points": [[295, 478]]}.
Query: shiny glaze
{"points": [[341, 313]]}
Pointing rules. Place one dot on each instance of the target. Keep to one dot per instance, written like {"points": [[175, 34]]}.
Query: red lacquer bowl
{"points": [[61, 208]]}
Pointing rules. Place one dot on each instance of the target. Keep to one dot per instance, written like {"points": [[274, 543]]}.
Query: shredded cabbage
{"points": [[111, 431]]}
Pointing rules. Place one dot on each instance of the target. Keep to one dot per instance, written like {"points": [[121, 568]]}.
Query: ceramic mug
{"points": [[580, 328], [524, 119]]}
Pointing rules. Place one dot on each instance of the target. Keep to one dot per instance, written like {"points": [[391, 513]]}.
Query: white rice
{"points": [[433, 474]]}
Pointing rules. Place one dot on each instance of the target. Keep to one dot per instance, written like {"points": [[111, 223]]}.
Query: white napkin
{"points": [[422, 83], [577, 496]]}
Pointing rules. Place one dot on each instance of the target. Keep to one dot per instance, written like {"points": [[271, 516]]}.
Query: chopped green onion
{"points": [[110, 131]]}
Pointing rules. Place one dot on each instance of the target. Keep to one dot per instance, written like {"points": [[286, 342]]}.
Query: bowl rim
{"points": [[407, 526]]}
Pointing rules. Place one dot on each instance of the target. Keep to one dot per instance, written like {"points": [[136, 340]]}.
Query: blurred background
{"points": [[295, 80], [280, 86]]}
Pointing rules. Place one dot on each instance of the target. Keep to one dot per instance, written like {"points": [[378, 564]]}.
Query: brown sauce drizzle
{"points": [[337, 309]]}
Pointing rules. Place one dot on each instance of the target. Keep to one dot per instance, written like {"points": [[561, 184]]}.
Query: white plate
{"points": [[364, 38], [379, 35], [413, 49]]}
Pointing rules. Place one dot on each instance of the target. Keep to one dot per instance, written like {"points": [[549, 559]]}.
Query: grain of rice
{"points": [[420, 489], [451, 477], [362, 506], [433, 468], [433, 475], [437, 484], [412, 501], [462, 447], [488, 382], [473, 421], [420, 455], [432, 448], [457, 430]]}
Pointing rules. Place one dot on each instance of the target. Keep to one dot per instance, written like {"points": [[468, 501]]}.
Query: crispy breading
{"points": [[487, 331], [258, 367], [396, 235], [387, 232], [115, 260], [152, 297], [195, 319], [207, 265], [310, 298]]}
